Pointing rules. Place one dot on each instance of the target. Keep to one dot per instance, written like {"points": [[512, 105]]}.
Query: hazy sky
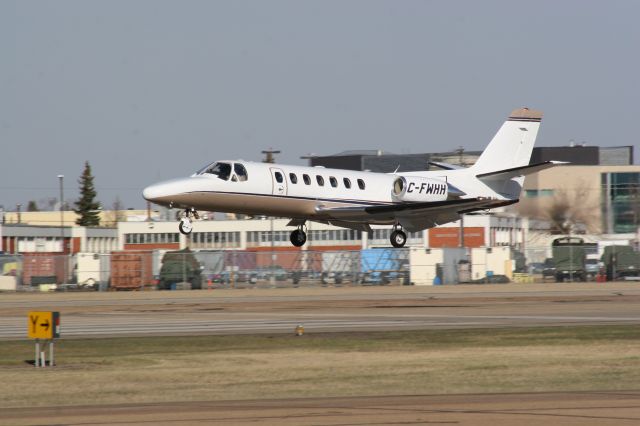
{"points": [[148, 90]]}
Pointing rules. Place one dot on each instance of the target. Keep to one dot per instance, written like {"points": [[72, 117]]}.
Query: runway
{"points": [[526, 409], [325, 309]]}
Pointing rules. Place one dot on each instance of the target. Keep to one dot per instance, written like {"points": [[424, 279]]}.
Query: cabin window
{"points": [[347, 183], [240, 171], [293, 178], [222, 170], [279, 177], [360, 184], [306, 179], [320, 180], [333, 181]]}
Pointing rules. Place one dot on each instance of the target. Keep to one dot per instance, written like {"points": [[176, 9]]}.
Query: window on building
{"points": [[293, 178], [360, 184], [620, 202], [533, 193]]}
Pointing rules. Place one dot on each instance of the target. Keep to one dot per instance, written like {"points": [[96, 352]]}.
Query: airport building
{"points": [[268, 234], [69, 217], [606, 199], [385, 162], [18, 239]]}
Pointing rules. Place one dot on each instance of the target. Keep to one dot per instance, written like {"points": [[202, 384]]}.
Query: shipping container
{"points": [[449, 236], [286, 259], [382, 266], [93, 269], [131, 270], [240, 260], [44, 268]]}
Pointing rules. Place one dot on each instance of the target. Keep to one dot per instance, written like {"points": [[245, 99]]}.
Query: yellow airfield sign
{"points": [[44, 324]]}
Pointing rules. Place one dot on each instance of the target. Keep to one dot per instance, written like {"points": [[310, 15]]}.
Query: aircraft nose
{"points": [[168, 191], [153, 192], [159, 192]]}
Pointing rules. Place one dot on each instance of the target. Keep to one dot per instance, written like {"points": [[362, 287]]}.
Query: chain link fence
{"points": [[185, 269]]}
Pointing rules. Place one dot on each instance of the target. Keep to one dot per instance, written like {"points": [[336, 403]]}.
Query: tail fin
{"points": [[511, 147]]}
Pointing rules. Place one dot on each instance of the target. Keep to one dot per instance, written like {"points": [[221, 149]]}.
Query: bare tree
{"points": [[566, 210], [50, 203], [573, 207], [116, 214]]}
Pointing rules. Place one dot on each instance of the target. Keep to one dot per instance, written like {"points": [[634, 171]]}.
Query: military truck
{"points": [[179, 266], [569, 259], [620, 262]]}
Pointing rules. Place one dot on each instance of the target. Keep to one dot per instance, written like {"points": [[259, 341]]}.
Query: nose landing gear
{"points": [[398, 238], [298, 237], [185, 226]]}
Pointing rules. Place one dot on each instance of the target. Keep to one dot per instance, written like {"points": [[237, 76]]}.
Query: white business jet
{"points": [[410, 201]]}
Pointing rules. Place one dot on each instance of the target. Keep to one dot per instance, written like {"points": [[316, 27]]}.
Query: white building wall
{"points": [[497, 260], [423, 265]]}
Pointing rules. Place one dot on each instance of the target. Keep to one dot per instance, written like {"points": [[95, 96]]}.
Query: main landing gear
{"points": [[185, 226], [398, 237], [299, 236]]}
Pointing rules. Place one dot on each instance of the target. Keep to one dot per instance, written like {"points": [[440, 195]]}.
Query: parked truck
{"points": [[569, 259], [179, 266], [620, 262]]}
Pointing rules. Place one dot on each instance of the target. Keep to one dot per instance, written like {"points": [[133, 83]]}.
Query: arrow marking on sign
{"points": [[45, 325]]}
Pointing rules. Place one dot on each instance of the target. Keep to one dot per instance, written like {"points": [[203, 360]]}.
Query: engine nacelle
{"points": [[419, 189]]}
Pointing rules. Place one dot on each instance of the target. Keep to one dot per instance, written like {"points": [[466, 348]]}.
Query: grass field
{"points": [[155, 369]]}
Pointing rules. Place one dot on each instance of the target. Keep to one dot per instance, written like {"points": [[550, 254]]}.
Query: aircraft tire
{"points": [[298, 238], [185, 227], [398, 239]]}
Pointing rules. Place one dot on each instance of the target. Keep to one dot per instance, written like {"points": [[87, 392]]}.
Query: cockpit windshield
{"points": [[222, 170], [236, 171]]}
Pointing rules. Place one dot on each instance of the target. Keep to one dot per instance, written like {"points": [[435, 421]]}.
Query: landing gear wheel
{"points": [[298, 237], [398, 238], [185, 226]]}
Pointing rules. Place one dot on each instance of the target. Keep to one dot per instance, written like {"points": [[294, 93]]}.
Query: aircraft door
{"points": [[279, 181]]}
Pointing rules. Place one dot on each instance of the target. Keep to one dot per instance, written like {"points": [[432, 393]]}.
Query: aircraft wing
{"points": [[413, 216]]}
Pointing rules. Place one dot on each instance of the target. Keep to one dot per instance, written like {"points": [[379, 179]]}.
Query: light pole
{"points": [[64, 264], [272, 278]]}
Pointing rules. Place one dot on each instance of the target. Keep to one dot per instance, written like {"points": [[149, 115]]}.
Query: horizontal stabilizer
{"points": [[520, 171], [445, 166]]}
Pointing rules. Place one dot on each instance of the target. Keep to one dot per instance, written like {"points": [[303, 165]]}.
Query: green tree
{"points": [[32, 206], [87, 206]]}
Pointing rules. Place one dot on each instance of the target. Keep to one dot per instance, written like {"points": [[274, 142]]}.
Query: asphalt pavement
{"points": [[328, 309]]}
